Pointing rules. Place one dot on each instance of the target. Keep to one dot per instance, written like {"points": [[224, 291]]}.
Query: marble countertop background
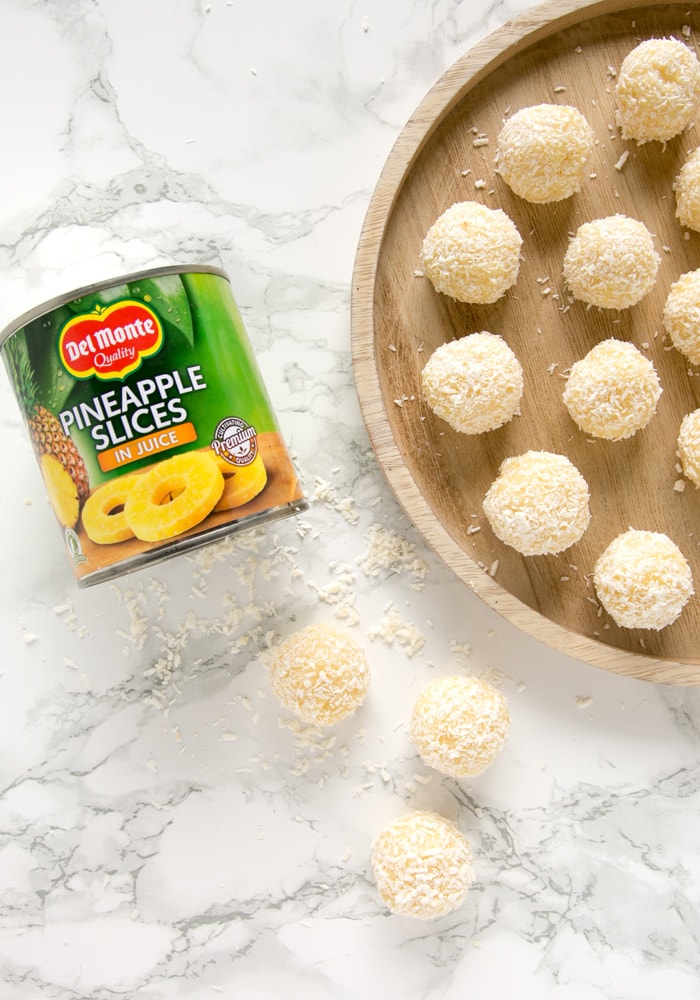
{"points": [[166, 829]]}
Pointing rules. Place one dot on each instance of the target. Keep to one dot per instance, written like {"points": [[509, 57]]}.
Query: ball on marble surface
{"points": [[611, 262], [472, 253], [474, 383], [538, 504], [689, 446], [687, 191], [657, 90], [422, 865], [681, 315], [543, 152], [643, 580], [459, 725], [320, 673], [612, 392]]}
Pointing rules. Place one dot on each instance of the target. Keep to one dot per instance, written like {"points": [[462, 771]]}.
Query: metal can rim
{"points": [[60, 300]]}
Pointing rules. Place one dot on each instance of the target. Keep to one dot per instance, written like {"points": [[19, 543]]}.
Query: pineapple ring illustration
{"points": [[241, 482], [173, 496], [103, 512], [62, 491]]}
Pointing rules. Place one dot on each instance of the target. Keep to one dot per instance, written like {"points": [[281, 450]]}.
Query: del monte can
{"points": [[149, 418]]}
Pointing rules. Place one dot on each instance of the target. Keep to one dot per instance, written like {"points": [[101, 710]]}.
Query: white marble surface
{"points": [[166, 831]]}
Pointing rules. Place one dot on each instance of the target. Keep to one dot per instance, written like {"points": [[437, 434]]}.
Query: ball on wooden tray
{"points": [[538, 504], [687, 191], [543, 152], [657, 90], [681, 315], [474, 383], [422, 865], [320, 674], [611, 262], [643, 580], [612, 392], [459, 725], [472, 253], [689, 446]]}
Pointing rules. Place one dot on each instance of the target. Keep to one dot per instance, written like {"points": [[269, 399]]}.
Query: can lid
{"points": [[96, 286]]}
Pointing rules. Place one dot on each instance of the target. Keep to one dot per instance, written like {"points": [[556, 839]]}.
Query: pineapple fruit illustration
{"points": [[64, 471]]}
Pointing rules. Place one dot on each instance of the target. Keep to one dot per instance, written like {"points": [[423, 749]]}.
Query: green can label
{"points": [[149, 418]]}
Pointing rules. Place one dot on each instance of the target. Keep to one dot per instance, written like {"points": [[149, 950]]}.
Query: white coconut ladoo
{"points": [[472, 253], [544, 151], [475, 383]]}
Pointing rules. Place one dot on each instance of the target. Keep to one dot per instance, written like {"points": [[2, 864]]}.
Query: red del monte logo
{"points": [[111, 341]]}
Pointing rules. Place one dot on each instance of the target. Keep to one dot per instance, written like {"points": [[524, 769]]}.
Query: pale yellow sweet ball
{"points": [[472, 253], [657, 90], [689, 446], [612, 392], [538, 504], [543, 152], [643, 580], [474, 383], [459, 725], [611, 262], [320, 674], [681, 315], [687, 190], [422, 865]]}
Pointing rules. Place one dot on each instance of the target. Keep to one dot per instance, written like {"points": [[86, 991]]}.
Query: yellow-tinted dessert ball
{"points": [[689, 446], [543, 152], [320, 673], [611, 262], [422, 865], [472, 253], [643, 580], [474, 383], [612, 392], [681, 315], [687, 190], [459, 725], [657, 90], [538, 503]]}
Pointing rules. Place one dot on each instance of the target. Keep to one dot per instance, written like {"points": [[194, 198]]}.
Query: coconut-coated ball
{"points": [[612, 392], [538, 503], [643, 580], [474, 383], [320, 674], [472, 253], [422, 865], [459, 725], [611, 262], [681, 315], [689, 446], [687, 191], [657, 90], [543, 152]]}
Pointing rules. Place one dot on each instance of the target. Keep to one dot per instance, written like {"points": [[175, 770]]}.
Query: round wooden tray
{"points": [[563, 52]]}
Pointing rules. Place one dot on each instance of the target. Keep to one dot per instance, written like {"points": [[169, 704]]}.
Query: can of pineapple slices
{"points": [[149, 418]]}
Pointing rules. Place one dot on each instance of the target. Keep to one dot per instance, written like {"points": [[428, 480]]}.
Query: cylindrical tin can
{"points": [[148, 414]]}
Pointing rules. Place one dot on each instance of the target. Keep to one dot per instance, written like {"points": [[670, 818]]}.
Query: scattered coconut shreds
{"points": [[392, 628], [679, 485], [623, 159], [583, 701], [390, 553], [325, 492]]}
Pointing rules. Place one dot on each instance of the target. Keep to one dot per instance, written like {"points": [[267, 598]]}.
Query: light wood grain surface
{"points": [[567, 53]]}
